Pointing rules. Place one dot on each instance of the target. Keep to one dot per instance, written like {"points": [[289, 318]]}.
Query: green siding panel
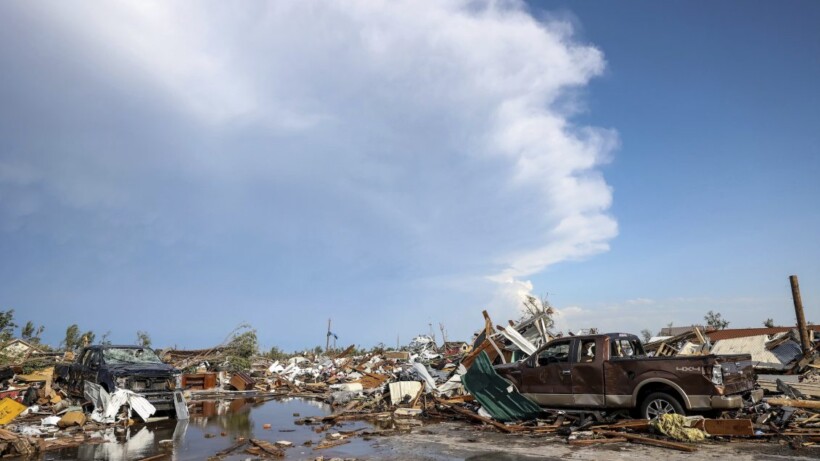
{"points": [[495, 394]]}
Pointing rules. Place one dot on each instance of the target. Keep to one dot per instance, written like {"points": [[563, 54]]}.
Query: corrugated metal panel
{"points": [[495, 394], [788, 352]]}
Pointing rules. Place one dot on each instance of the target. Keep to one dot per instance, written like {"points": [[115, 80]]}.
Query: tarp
{"points": [[679, 427], [495, 394]]}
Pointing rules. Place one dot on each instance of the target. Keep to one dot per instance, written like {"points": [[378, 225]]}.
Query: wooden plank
{"points": [[728, 427], [649, 441], [234, 447], [468, 359], [795, 403], [156, 457], [588, 442], [458, 399], [476, 417], [699, 336], [345, 352], [268, 447], [8, 435], [330, 443], [636, 425]]}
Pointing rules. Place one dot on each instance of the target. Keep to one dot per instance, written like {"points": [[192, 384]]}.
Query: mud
{"points": [[456, 441]]}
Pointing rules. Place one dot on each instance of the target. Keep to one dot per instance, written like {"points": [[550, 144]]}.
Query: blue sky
{"points": [[181, 169]]}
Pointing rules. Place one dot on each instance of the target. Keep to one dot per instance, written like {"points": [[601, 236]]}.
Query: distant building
{"points": [[18, 349], [456, 347]]}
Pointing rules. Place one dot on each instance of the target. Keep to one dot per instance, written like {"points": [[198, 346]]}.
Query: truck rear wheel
{"points": [[660, 403]]}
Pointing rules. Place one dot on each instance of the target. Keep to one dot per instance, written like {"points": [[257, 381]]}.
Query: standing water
{"points": [[215, 426]]}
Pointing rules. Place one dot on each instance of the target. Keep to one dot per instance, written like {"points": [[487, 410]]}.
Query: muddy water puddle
{"points": [[215, 425]]}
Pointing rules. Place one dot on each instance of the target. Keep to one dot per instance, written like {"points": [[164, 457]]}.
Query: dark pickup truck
{"points": [[134, 368], [612, 371]]}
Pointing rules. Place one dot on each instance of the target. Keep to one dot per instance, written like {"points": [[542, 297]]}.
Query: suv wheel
{"points": [[660, 403]]}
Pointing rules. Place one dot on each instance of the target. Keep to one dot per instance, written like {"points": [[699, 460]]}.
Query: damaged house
{"points": [[773, 350]]}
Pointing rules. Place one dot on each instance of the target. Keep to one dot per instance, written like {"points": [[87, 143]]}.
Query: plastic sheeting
{"points": [[495, 394], [137, 403], [106, 406], [452, 386], [429, 382]]}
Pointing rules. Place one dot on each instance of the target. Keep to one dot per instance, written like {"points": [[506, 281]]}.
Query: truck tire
{"points": [[659, 403]]}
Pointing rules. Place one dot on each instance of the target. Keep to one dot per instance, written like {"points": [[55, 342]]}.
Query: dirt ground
{"points": [[455, 441]]}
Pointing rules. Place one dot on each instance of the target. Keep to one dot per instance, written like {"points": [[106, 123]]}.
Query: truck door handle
{"points": [[565, 372]]}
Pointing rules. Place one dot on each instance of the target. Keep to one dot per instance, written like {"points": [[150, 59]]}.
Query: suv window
{"points": [[556, 352]]}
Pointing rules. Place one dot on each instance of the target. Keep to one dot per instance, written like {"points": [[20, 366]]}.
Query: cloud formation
{"points": [[351, 143]]}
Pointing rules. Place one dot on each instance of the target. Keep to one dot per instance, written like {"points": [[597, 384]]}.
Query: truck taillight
{"points": [[717, 374]]}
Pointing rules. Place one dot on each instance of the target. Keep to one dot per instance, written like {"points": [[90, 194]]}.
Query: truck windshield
{"points": [[130, 355]]}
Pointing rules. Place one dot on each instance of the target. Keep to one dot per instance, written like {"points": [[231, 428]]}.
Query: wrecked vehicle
{"points": [[611, 371], [134, 368]]}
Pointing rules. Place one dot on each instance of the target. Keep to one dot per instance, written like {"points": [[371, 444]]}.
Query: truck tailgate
{"points": [[738, 373]]}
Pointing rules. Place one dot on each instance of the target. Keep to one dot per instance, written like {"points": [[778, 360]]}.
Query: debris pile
{"points": [[38, 414], [424, 383], [774, 350]]}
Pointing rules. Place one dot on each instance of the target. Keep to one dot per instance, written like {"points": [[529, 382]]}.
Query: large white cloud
{"points": [[433, 139]]}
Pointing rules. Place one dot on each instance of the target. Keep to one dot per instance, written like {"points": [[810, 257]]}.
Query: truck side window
{"points": [[556, 352], [629, 351], [587, 351], [616, 349], [622, 348]]}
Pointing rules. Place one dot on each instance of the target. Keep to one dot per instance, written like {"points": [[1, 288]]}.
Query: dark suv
{"points": [[135, 368]]}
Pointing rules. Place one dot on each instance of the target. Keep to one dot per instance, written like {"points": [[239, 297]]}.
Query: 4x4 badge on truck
{"points": [[692, 369]]}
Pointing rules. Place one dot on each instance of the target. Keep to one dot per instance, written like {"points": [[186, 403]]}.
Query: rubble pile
{"points": [[398, 390], [401, 389], [773, 350]]}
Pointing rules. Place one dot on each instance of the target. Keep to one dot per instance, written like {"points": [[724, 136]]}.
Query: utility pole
{"points": [[443, 333], [801, 317], [327, 338]]}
